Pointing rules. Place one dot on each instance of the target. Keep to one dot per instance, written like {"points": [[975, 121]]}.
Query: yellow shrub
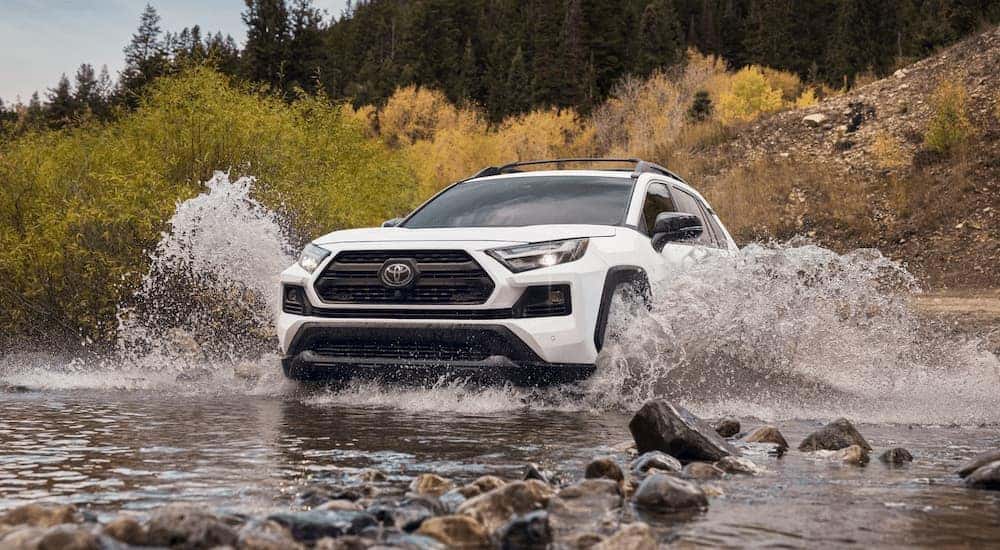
{"points": [[788, 83], [413, 113], [807, 99], [542, 134], [749, 96], [888, 151], [950, 127]]}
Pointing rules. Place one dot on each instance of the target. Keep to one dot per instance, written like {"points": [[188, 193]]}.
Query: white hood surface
{"points": [[526, 234]]}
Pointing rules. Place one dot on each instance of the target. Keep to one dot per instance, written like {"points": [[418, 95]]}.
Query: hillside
{"points": [[937, 212]]}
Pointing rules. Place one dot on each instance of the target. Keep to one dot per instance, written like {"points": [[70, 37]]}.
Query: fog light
{"points": [[556, 296], [544, 301], [293, 300]]}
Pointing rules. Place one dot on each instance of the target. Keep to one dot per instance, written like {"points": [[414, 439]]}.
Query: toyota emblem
{"points": [[397, 274]]}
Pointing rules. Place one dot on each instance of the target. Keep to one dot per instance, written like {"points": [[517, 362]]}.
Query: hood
{"points": [[526, 234]]}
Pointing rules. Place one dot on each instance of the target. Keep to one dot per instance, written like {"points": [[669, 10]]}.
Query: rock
{"points": [[483, 484], [40, 515], [313, 525], [341, 543], [767, 434], [408, 514], [68, 537], [317, 495], [702, 470], [369, 475], [896, 456], [834, 436], [530, 531], [265, 535], [605, 468], [855, 454], [668, 494], [580, 541], [727, 427], [634, 536], [22, 538], [431, 484], [985, 477], [339, 504], [660, 426], [814, 120], [972, 465], [407, 541], [494, 508], [900, 73], [187, 526], [738, 465], [584, 506], [655, 460], [456, 531], [126, 529], [533, 471]]}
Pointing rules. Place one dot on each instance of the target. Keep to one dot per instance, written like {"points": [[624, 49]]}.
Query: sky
{"points": [[41, 39]]}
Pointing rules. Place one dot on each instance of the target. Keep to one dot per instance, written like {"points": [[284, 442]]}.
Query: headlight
{"points": [[525, 257], [312, 256]]}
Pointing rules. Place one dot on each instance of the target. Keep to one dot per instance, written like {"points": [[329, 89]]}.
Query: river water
{"points": [[191, 406]]}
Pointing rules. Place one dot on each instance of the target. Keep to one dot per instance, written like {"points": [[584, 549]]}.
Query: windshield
{"points": [[529, 200]]}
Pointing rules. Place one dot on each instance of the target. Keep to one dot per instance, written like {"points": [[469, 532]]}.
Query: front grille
{"points": [[432, 351], [446, 277]]}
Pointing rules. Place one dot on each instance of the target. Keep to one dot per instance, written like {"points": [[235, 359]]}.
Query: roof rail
{"points": [[639, 166]]}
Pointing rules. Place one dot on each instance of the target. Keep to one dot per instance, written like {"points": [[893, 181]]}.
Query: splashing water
{"points": [[777, 332]]}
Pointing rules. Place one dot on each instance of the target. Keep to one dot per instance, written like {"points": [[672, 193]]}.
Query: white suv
{"points": [[507, 275]]}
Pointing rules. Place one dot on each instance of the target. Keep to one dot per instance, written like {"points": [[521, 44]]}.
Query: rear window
{"points": [[529, 200]]}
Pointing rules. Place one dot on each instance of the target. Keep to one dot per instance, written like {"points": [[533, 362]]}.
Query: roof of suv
{"points": [[630, 166]]}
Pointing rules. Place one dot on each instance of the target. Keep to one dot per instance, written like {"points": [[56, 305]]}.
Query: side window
{"points": [[720, 235], [687, 203], [657, 201]]}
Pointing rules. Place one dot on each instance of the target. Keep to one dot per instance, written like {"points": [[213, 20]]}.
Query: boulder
{"points": [[188, 526], [530, 531], [265, 535], [483, 484], [431, 484], [855, 454], [986, 476], [126, 529], [834, 436], [668, 494], [634, 536], [896, 456], [494, 508], [584, 507], [407, 514], [339, 504], [313, 525], [738, 465], [605, 468], [406, 541], [67, 537], [727, 427], [702, 470], [655, 460], [814, 120], [40, 515], [456, 531], [661, 426], [767, 434], [970, 466]]}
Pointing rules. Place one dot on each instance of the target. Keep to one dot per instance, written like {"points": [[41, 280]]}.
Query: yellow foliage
{"points": [[789, 83], [365, 117], [807, 99], [749, 96], [413, 113], [888, 151], [950, 127]]}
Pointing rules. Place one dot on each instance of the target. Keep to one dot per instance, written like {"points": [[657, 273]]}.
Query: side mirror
{"points": [[676, 226], [392, 223]]}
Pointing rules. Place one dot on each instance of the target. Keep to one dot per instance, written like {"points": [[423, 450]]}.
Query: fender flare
{"points": [[616, 276]]}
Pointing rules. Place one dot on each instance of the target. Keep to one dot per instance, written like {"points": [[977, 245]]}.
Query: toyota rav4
{"points": [[507, 275]]}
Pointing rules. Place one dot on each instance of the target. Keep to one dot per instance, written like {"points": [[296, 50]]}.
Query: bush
{"points": [[889, 151], [81, 208], [949, 128], [749, 96], [413, 114], [701, 108]]}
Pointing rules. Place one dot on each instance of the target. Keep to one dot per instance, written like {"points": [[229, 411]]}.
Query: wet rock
{"points": [[126, 529], [313, 525], [40, 515], [408, 541], [985, 477], [604, 467], [634, 536], [431, 484], [188, 526], [342, 543], [407, 514], [584, 506], [814, 120], [896, 456], [319, 494], [533, 471], [581, 540], [767, 434], [655, 460], [369, 475], [67, 537], [517, 498], [727, 427], [483, 484], [660, 426], [459, 531], [265, 535], [702, 470], [530, 531], [738, 465], [668, 494], [339, 504], [21, 538], [855, 454], [834, 436], [972, 465]]}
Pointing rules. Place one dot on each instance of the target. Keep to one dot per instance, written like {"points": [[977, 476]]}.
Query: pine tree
{"points": [[61, 106], [469, 77], [518, 85], [305, 57], [145, 56], [660, 36], [268, 34], [574, 59], [85, 94]]}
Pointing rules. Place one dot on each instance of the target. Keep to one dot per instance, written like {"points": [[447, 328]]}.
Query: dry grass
{"points": [[889, 151]]}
